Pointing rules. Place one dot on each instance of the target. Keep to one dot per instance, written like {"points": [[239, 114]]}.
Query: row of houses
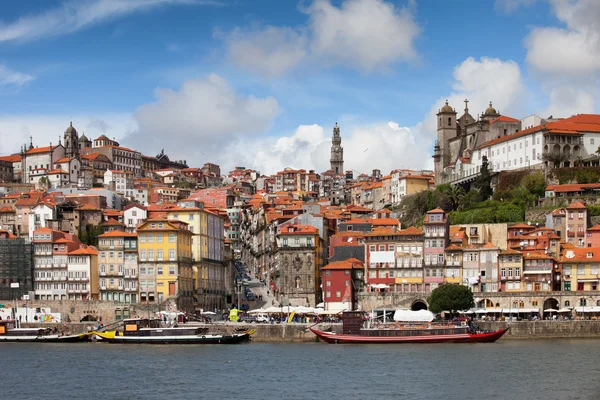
{"points": [[564, 256]]}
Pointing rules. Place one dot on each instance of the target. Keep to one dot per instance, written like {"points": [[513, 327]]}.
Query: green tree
{"points": [[450, 298], [483, 183], [469, 200], [535, 183], [455, 196]]}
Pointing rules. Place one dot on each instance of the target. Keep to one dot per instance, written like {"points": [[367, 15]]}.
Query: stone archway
{"points": [[89, 318], [551, 304], [418, 305]]}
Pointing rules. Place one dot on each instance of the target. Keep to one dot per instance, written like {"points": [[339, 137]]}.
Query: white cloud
{"points": [[15, 130], [567, 60], [509, 6], [271, 51], [75, 15], [558, 51], [201, 119], [366, 33], [9, 77], [481, 81], [379, 145], [363, 34], [567, 100]]}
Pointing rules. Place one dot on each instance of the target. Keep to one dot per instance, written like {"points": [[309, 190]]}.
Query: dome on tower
{"points": [[491, 110], [447, 108], [83, 138], [70, 129]]}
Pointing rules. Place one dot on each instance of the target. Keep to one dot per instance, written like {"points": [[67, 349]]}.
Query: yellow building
{"points": [[510, 265], [580, 269], [165, 262], [207, 252], [111, 267]]}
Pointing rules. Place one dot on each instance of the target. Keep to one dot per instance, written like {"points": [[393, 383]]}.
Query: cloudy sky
{"points": [[260, 83]]}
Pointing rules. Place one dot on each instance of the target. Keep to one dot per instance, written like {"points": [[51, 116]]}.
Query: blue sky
{"points": [[281, 73]]}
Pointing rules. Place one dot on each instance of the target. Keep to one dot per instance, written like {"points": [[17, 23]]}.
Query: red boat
{"points": [[431, 332]]}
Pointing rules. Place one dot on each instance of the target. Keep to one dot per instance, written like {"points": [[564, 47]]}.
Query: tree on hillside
{"points": [[483, 183], [535, 183], [455, 195], [450, 298]]}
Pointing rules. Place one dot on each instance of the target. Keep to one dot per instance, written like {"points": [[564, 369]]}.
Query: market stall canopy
{"points": [[587, 309], [258, 310], [380, 286], [519, 310], [413, 316], [565, 309]]}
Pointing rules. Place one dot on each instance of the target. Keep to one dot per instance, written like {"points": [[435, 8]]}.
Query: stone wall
{"points": [[280, 332], [370, 301], [73, 311], [545, 329]]}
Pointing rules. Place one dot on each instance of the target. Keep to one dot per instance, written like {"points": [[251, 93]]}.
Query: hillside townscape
{"points": [[510, 211]]}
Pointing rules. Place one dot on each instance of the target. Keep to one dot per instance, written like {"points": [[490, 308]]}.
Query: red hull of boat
{"points": [[458, 338]]}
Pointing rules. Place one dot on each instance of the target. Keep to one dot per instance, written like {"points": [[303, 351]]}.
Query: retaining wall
{"points": [[545, 329]]}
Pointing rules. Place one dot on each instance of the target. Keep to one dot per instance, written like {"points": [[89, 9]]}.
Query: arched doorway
{"points": [[551, 304], [89, 318], [418, 305]]}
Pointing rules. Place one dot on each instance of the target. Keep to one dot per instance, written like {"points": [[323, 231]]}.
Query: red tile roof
{"points": [[576, 205], [118, 234], [14, 158], [411, 230], [504, 118], [37, 150], [84, 251], [298, 230], [351, 263], [578, 254]]}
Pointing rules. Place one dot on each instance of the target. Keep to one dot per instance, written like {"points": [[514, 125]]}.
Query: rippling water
{"points": [[547, 369]]}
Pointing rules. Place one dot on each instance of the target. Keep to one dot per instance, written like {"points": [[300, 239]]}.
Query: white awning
{"points": [[519, 310], [408, 315], [382, 257], [591, 309], [537, 272]]}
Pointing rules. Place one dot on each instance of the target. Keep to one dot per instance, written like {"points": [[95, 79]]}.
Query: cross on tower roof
{"points": [[466, 105]]}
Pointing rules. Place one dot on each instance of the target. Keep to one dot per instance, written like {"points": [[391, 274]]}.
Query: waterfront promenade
{"points": [[298, 332]]}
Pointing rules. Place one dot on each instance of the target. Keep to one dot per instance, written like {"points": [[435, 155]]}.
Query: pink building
{"points": [[436, 231]]}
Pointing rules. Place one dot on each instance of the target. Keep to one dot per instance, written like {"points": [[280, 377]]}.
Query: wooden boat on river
{"points": [[356, 330], [10, 333], [150, 331]]}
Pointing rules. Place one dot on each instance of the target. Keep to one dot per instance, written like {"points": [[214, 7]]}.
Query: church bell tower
{"points": [[337, 152], [71, 141]]}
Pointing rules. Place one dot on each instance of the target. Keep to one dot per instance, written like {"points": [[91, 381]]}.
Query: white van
{"points": [[262, 318]]}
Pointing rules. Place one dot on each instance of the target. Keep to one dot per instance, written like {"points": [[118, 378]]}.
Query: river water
{"points": [[542, 369]]}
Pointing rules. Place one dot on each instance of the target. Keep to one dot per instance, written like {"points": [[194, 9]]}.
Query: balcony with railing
{"points": [[464, 175]]}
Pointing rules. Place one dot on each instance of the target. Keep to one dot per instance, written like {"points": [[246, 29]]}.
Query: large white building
{"points": [[119, 181], [556, 142]]}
